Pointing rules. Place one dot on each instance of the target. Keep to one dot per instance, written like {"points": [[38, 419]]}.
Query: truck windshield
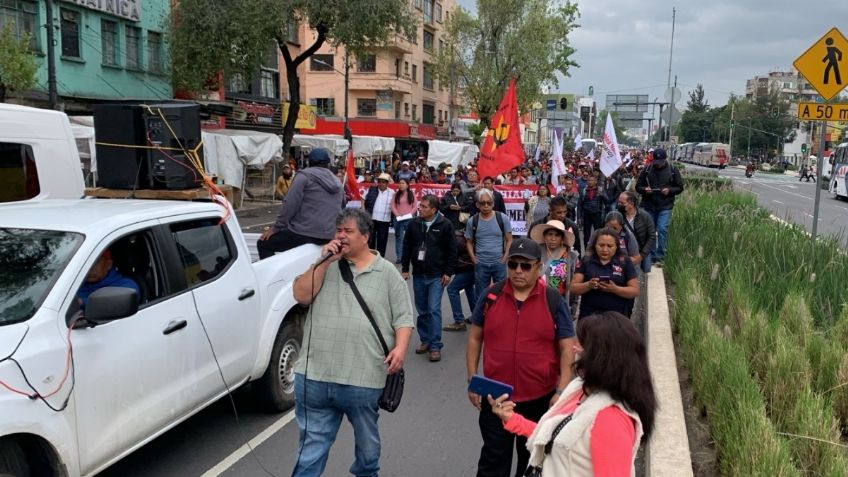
{"points": [[31, 261]]}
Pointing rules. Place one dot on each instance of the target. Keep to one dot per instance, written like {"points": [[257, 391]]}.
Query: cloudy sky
{"points": [[623, 45]]}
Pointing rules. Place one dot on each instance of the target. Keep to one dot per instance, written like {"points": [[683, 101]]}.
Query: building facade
{"points": [[104, 49], [392, 90]]}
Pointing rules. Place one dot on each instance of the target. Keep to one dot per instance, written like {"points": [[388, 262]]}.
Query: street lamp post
{"points": [[347, 132]]}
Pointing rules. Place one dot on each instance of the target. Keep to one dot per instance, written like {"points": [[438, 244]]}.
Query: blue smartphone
{"points": [[488, 387]]}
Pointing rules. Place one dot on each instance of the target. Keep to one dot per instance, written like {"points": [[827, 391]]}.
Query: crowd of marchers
{"points": [[549, 312]]}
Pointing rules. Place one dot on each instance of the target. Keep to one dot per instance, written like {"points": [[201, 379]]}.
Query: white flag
{"points": [[610, 157], [557, 163], [578, 142], [538, 153], [627, 159]]}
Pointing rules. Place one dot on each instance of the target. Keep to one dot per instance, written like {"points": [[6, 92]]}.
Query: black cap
{"points": [[660, 155], [524, 247]]}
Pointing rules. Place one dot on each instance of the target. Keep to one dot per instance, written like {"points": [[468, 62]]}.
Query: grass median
{"points": [[761, 315]]}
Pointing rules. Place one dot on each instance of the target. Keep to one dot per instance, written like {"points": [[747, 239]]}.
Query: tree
{"points": [[523, 39], [601, 124], [697, 103], [212, 39], [17, 63], [696, 123]]}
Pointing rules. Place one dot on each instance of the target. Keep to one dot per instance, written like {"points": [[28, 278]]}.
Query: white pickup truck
{"points": [[140, 363]]}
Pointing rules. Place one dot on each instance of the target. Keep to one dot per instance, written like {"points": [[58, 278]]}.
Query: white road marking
{"points": [[786, 192], [258, 225], [778, 202], [242, 451]]}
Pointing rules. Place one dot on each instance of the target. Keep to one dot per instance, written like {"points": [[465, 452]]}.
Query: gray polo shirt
{"points": [[343, 347]]}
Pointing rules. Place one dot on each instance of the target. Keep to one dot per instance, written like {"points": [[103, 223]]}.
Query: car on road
{"points": [[80, 389]]}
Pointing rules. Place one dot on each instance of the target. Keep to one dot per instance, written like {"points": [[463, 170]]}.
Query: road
{"points": [[791, 200], [434, 433]]}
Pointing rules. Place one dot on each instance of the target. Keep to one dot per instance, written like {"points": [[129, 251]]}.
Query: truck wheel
{"points": [[275, 389], [13, 461]]}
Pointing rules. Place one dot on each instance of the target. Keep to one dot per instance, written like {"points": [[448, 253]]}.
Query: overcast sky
{"points": [[623, 45]]}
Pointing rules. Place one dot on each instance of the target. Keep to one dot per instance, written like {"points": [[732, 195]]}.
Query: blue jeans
{"points": [[400, 232], [319, 408], [661, 220], [428, 302], [461, 281], [646, 264], [485, 273]]}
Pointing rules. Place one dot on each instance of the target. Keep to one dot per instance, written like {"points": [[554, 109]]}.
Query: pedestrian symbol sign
{"points": [[825, 64]]}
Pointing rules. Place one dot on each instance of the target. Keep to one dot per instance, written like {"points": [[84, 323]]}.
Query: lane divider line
{"points": [[244, 450]]}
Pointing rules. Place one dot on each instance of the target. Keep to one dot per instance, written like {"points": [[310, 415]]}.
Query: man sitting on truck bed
{"points": [[104, 274]]}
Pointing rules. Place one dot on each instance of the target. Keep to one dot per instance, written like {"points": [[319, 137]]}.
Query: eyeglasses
{"points": [[485, 203], [525, 266]]}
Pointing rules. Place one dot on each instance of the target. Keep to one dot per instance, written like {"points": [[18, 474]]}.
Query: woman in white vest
{"points": [[602, 416]]}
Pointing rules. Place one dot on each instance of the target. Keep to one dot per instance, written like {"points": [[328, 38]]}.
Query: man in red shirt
{"points": [[525, 347]]}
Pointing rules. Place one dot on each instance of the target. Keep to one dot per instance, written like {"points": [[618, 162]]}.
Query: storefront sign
{"points": [[129, 9], [256, 116], [306, 116]]}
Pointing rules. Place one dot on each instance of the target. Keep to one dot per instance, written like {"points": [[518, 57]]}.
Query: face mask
{"points": [[622, 209]]}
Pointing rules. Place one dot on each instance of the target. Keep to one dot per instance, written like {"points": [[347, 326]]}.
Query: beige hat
{"points": [[449, 171], [384, 177], [538, 232]]}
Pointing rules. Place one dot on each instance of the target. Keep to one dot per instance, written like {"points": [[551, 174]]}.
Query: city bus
{"points": [[684, 152], [711, 154], [839, 166]]}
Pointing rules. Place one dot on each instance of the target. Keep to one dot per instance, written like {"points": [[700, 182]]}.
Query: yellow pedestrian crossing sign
{"points": [[825, 64]]}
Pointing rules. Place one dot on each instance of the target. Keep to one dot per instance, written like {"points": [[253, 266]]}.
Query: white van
{"points": [[38, 155]]}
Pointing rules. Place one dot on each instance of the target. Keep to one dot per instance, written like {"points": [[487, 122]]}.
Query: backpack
{"points": [[475, 221], [551, 295]]}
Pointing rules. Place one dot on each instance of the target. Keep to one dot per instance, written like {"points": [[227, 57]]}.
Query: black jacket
{"points": [[371, 198], [658, 179], [439, 243], [453, 215], [595, 205], [500, 205], [645, 232]]}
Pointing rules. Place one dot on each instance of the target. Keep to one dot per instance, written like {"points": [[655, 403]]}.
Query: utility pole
{"points": [[347, 133], [668, 82], [819, 166], [51, 58], [749, 138], [730, 142]]}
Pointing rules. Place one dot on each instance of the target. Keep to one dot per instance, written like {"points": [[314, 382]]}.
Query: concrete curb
{"points": [[667, 453]]}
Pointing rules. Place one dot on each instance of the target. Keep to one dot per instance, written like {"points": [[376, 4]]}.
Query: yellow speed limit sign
{"points": [[823, 112]]}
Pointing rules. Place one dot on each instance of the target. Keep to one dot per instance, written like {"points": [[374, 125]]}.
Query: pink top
{"points": [[610, 440], [403, 207]]}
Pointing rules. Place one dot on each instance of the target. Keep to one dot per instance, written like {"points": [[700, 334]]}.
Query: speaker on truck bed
{"points": [[120, 127]]}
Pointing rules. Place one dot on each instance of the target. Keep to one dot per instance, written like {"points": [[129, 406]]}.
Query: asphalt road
{"points": [[434, 433], [793, 201]]}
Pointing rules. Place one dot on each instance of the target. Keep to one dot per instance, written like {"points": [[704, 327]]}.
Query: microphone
{"points": [[323, 259]]}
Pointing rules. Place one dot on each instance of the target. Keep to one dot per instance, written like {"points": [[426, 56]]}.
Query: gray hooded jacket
{"points": [[310, 208]]}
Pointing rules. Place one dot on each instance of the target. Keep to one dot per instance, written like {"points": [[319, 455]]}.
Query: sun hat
{"points": [[538, 232]]}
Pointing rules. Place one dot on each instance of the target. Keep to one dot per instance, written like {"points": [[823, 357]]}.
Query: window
{"points": [[406, 109], [269, 83], [397, 67], [418, 4], [321, 63], [204, 249], [414, 72], [70, 28], [415, 112], [406, 68], [133, 46], [427, 75], [291, 32], [324, 106], [237, 84], [109, 42], [23, 15], [428, 41], [441, 46], [397, 109], [428, 11], [439, 12], [154, 52], [366, 63], [366, 107], [428, 113], [18, 172]]}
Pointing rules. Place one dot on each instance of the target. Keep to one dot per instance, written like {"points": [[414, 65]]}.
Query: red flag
{"points": [[502, 149], [350, 177]]}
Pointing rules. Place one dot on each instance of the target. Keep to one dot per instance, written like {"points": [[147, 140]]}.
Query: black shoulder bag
{"points": [[393, 390]]}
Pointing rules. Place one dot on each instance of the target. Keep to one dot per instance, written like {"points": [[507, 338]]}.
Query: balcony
{"points": [[380, 82], [399, 44]]}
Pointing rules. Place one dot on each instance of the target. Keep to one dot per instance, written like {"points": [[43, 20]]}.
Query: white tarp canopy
{"points": [[337, 145], [452, 153], [83, 129], [228, 152]]}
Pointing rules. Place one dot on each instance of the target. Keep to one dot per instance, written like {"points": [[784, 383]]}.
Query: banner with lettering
{"points": [[514, 197]]}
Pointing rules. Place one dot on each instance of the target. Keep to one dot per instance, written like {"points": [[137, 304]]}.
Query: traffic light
{"points": [[563, 103], [775, 112], [804, 148], [584, 113], [732, 124]]}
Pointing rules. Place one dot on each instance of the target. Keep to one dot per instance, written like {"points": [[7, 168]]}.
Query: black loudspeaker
{"points": [[170, 126], [119, 167], [157, 125]]}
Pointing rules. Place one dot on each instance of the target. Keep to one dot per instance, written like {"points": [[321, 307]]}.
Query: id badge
{"points": [[422, 253]]}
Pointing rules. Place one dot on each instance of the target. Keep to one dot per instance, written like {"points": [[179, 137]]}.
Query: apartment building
{"points": [[392, 90]]}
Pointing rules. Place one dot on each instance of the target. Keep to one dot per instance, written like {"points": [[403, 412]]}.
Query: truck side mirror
{"points": [[111, 303]]}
